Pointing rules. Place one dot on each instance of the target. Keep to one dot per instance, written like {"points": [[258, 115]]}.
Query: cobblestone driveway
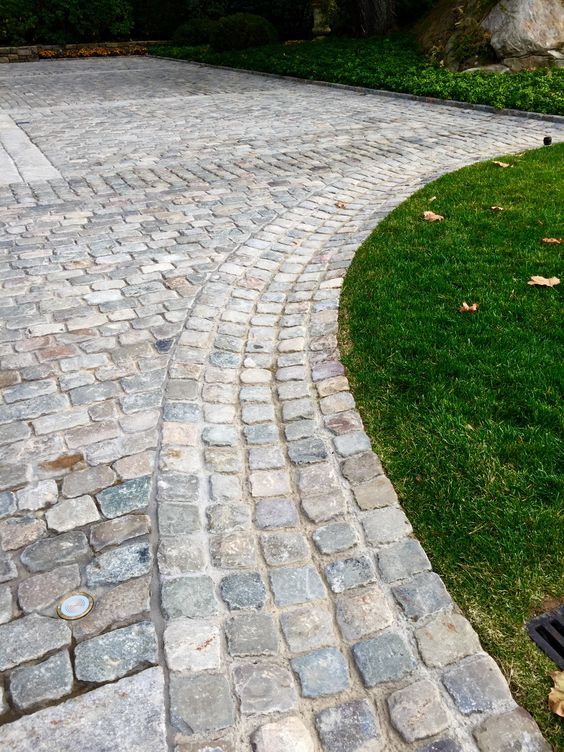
{"points": [[177, 434]]}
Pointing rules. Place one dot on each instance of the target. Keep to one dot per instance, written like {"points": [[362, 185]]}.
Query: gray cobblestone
{"points": [[251, 634], [71, 513], [361, 468], [29, 638], [417, 711], [160, 292], [88, 481], [192, 597], [129, 496], [446, 638], [402, 560], [308, 628], [264, 433], [351, 727], [424, 594], [240, 591], [8, 568], [64, 549], [385, 525], [307, 451], [7, 504], [292, 585], [280, 736], [41, 590], [362, 612], [201, 703], [275, 513], [284, 548], [120, 564], [114, 532], [338, 536], [6, 604], [322, 507], [192, 645], [442, 745], [264, 688], [235, 550], [321, 673], [477, 685], [37, 496], [114, 654], [47, 681], [382, 659], [16, 532], [514, 730], [349, 573], [265, 458]]}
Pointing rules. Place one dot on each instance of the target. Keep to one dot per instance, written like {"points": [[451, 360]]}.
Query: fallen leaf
{"points": [[556, 696], [501, 164], [430, 216], [433, 198], [544, 282], [341, 205], [552, 241], [497, 208], [465, 308]]}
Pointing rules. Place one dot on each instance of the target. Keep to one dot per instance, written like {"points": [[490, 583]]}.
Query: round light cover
{"points": [[75, 606]]}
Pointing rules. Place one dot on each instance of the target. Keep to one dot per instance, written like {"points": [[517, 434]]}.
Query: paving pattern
{"points": [[177, 434]]}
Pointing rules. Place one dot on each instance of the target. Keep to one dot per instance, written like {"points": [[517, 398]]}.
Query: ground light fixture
{"points": [[75, 606]]}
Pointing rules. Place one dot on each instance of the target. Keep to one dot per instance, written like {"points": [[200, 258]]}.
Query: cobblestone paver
{"points": [[177, 433]]}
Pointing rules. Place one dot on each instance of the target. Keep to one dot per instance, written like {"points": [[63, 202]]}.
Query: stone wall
{"points": [[34, 52]]}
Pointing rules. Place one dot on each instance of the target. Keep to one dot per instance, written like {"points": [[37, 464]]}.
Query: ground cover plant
{"points": [[390, 63], [465, 407]]}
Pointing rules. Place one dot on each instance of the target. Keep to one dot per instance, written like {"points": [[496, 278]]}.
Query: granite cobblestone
{"points": [[174, 417]]}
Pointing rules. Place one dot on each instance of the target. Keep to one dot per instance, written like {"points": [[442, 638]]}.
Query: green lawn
{"points": [[391, 63], [465, 410]]}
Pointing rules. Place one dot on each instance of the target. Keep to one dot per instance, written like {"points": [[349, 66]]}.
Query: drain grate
{"points": [[547, 631]]}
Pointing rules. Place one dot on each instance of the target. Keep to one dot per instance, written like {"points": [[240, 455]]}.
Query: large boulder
{"points": [[525, 28]]}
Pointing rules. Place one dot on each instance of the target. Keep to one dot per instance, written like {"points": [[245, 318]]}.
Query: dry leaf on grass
{"points": [[544, 282], [430, 216], [556, 696], [501, 164], [497, 208], [465, 308], [341, 205], [552, 241]]}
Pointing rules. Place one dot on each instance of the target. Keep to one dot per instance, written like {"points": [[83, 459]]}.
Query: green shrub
{"points": [[292, 19], [392, 63], [241, 31], [17, 21], [194, 33], [63, 21]]}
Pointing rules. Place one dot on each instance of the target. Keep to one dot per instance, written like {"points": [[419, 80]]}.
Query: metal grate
{"points": [[547, 631]]}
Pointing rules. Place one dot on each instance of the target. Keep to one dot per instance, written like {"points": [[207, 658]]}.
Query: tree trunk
{"points": [[375, 16]]}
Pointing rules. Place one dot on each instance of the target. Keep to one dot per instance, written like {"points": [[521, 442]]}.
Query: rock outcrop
{"points": [[525, 27], [475, 33]]}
